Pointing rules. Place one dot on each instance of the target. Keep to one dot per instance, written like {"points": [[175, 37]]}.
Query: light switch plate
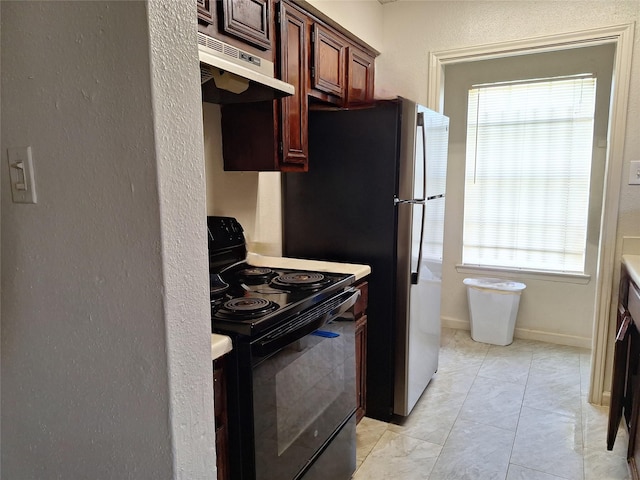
{"points": [[23, 185], [634, 173]]}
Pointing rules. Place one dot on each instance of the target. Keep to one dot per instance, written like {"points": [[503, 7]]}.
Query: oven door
{"points": [[303, 391]]}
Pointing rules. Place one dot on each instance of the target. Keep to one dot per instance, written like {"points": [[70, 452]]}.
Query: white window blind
{"points": [[528, 164]]}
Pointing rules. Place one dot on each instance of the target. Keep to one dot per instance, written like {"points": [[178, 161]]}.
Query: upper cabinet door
{"points": [[328, 70], [205, 10], [248, 20], [294, 110], [361, 71]]}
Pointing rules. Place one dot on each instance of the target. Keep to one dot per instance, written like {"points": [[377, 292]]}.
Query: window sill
{"points": [[522, 273]]}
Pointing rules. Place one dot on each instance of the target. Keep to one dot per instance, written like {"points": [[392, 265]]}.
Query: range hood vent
{"points": [[231, 75]]}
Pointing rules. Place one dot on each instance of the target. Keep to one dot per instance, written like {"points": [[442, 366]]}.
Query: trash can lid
{"points": [[495, 284]]}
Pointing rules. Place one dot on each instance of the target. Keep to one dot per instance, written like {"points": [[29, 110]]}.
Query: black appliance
{"points": [[375, 194], [291, 373]]}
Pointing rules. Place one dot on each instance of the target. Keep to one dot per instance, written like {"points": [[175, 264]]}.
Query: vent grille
{"points": [[205, 74], [235, 54], [231, 51], [216, 55], [219, 46]]}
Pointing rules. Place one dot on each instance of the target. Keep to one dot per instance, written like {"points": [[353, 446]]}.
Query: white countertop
{"points": [[632, 262], [220, 344], [359, 271]]}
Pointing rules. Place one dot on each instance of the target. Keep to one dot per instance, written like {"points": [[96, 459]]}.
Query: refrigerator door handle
{"points": [[416, 201], [420, 123], [415, 276]]}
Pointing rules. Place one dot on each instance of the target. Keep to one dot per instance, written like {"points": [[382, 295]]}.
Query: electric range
{"points": [[291, 373]]}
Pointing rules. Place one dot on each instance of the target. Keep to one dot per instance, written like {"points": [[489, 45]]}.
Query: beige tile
{"points": [[493, 402], [474, 452], [399, 456], [604, 466], [450, 387], [509, 413], [511, 365], [549, 442], [446, 335], [368, 433], [516, 472], [431, 421], [595, 423]]}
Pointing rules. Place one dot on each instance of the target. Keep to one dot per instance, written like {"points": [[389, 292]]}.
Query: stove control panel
{"points": [[224, 232]]}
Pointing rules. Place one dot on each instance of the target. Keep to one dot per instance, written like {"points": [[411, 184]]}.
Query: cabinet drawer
{"points": [[634, 303]]}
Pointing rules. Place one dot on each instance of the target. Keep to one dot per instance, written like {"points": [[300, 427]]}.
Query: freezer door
{"points": [[432, 142]]}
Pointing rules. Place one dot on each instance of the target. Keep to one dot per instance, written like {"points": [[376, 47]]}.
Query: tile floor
{"points": [[491, 412]]}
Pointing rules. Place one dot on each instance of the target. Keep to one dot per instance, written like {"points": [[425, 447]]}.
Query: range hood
{"points": [[231, 75]]}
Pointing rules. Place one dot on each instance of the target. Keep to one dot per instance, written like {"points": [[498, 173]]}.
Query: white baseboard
{"points": [[454, 323], [528, 334]]}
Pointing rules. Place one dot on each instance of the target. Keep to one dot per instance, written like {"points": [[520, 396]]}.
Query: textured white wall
{"points": [[103, 277], [176, 99], [251, 197], [363, 18]]}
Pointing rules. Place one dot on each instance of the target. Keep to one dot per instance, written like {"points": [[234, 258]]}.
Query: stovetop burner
{"points": [[256, 275], [217, 286], [301, 280], [247, 307]]}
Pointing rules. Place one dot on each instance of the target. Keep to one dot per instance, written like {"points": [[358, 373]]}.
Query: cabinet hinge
{"points": [[313, 72], [280, 147], [278, 17]]}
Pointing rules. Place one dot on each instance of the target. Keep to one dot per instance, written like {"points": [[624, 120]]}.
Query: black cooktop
{"points": [[248, 300]]}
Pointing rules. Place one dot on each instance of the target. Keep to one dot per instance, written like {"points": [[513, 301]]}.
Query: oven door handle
{"points": [[304, 325]]}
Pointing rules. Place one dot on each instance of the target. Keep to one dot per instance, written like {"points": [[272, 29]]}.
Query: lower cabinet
{"points": [[625, 387], [220, 412], [360, 314], [361, 367]]}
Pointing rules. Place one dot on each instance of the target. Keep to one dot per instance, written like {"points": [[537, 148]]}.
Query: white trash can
{"points": [[493, 308]]}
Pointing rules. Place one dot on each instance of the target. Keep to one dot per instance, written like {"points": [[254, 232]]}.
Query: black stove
{"points": [[291, 373]]}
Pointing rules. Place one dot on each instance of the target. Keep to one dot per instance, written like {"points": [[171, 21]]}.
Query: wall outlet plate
{"points": [[634, 173]]}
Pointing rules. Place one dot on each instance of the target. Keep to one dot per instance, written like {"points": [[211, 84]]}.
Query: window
{"points": [[528, 164]]}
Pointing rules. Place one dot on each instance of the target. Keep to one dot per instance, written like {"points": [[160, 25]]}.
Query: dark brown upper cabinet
{"points": [[324, 64], [328, 70], [247, 20], [244, 24], [205, 11], [272, 136], [360, 74], [294, 110]]}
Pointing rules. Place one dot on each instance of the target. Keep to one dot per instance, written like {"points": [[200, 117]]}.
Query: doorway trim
{"points": [[622, 37]]}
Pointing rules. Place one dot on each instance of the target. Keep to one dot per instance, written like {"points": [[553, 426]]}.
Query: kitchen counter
{"points": [[359, 271], [632, 262], [220, 344]]}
